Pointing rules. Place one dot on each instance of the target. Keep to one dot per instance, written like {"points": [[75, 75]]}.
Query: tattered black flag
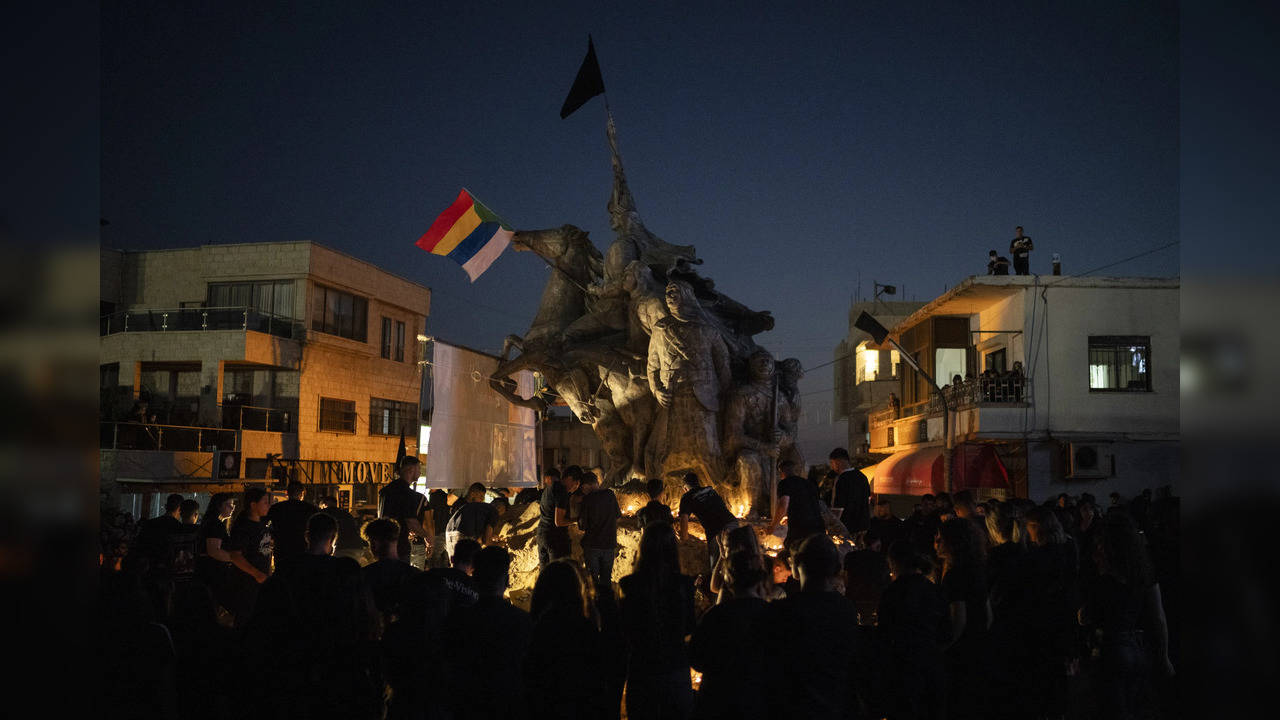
{"points": [[588, 84]]}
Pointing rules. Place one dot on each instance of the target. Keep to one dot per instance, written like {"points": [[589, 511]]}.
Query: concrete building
{"points": [[223, 364], [865, 373], [1091, 406]]}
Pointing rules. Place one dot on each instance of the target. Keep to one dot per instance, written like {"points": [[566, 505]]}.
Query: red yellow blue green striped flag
{"points": [[468, 233]]}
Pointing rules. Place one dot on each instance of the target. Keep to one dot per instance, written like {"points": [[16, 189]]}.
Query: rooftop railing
{"points": [[198, 319]]}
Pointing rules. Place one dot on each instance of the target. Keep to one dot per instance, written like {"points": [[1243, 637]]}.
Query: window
{"points": [[337, 415], [390, 417], [341, 314], [273, 297], [1120, 363], [868, 364], [399, 341], [949, 362], [386, 338], [996, 361]]}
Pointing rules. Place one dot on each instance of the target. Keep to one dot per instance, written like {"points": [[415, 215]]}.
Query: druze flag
{"points": [[469, 234]]}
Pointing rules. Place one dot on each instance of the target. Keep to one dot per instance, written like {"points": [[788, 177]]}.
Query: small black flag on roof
{"points": [[588, 84]]}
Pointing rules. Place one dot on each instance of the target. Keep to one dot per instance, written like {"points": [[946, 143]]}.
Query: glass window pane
{"points": [[282, 304], [361, 312], [386, 338]]}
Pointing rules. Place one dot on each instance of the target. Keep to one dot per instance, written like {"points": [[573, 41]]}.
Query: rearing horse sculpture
{"points": [[574, 372]]}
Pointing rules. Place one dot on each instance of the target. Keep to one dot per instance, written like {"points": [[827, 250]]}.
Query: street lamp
{"points": [[880, 334]]}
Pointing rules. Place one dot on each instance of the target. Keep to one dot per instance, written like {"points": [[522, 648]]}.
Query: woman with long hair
{"points": [[1055, 596], [1125, 608], [742, 538], [656, 612], [964, 586], [725, 647], [566, 640], [212, 559]]}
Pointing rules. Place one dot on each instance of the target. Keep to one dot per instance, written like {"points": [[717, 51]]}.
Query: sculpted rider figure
{"points": [[688, 369]]}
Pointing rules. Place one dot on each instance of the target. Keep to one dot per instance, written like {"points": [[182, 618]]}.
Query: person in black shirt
{"points": [[288, 521], [527, 495], [798, 503], [406, 506], [964, 585], [475, 519], [313, 632], [599, 523], [553, 514], [725, 647], [457, 578], [997, 264], [852, 493], [485, 641], [213, 562], [1020, 248], [180, 558], [910, 626], [656, 511], [566, 642], [153, 536], [884, 524], [349, 542], [705, 504], [388, 573], [813, 639], [250, 547], [656, 613]]}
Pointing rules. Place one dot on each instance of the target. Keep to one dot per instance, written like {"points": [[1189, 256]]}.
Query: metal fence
{"points": [[197, 319], [148, 436], [249, 417]]}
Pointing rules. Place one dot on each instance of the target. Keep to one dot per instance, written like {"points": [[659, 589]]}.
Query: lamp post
{"points": [[879, 333]]}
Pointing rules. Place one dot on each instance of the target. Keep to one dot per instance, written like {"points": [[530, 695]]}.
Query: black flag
{"points": [[587, 85], [400, 453]]}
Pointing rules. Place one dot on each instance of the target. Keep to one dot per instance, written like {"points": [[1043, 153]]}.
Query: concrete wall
{"points": [[1065, 405]]}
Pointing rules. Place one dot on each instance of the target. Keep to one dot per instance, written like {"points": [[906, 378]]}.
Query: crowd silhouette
{"points": [[966, 608]]}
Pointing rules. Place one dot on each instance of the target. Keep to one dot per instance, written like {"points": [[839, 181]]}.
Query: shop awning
{"points": [[919, 471]]}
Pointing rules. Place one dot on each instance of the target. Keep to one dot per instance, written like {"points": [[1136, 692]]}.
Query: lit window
{"points": [[869, 363], [1120, 363]]}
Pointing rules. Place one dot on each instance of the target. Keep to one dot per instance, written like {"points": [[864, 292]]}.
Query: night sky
{"points": [[802, 151]]}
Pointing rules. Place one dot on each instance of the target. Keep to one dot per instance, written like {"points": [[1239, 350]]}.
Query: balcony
{"points": [[983, 406], [200, 319]]}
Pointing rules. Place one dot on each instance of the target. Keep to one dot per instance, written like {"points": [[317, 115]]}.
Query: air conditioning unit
{"points": [[1091, 460]]}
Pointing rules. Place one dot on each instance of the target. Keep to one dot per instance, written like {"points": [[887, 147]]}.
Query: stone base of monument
{"points": [[518, 533]]}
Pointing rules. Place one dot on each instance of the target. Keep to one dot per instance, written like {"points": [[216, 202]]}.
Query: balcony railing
{"points": [[147, 436], [249, 417], [981, 390], [978, 391], [198, 319]]}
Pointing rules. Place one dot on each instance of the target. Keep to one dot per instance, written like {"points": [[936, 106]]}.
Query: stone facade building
{"points": [[273, 360]]}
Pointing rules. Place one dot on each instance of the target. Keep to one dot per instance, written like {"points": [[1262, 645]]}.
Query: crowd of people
{"points": [[988, 609]]}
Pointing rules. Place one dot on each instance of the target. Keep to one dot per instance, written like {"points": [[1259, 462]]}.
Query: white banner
{"points": [[476, 435]]}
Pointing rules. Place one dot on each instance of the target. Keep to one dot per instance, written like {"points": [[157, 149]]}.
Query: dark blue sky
{"points": [[797, 149]]}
